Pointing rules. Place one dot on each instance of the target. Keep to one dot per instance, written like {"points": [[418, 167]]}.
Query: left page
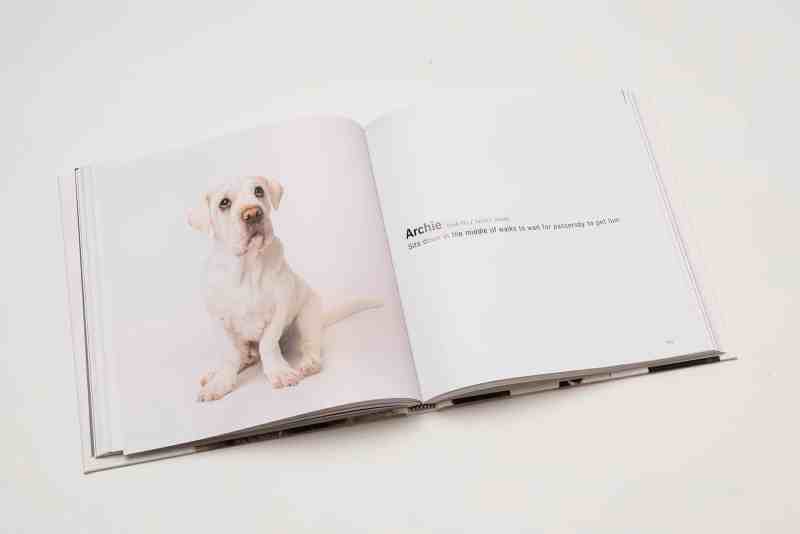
{"points": [[171, 341]]}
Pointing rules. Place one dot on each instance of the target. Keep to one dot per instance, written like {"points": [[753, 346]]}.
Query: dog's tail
{"points": [[343, 311]]}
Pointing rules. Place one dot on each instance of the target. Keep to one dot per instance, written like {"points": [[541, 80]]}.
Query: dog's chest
{"points": [[244, 308]]}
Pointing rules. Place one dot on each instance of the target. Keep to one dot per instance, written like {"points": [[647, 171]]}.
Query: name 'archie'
{"points": [[419, 230]]}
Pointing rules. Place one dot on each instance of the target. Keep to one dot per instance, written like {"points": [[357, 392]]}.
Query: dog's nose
{"points": [[252, 215]]}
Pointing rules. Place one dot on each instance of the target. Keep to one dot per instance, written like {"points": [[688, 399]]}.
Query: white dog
{"points": [[252, 291]]}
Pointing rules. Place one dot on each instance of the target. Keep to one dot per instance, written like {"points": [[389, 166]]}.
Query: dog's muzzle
{"points": [[252, 215]]}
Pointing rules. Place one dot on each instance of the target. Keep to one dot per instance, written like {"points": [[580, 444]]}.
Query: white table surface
{"points": [[707, 449]]}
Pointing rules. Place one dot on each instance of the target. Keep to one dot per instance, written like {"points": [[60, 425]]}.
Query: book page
{"points": [[175, 319], [530, 237]]}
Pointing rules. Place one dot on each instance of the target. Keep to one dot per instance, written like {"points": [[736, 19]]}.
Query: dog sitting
{"points": [[253, 292]]}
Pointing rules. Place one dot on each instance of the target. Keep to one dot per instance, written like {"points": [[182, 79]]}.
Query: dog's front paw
{"points": [[310, 364], [282, 376], [216, 384]]}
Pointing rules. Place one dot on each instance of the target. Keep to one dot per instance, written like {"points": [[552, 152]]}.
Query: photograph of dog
{"points": [[262, 305]]}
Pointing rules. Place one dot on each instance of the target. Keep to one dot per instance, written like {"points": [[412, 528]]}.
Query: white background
{"points": [[708, 449]]}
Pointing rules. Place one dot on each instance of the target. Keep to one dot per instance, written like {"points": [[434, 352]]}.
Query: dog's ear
{"points": [[275, 190], [199, 217]]}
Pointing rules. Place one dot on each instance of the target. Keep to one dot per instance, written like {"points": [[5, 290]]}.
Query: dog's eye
{"points": [[225, 203], [259, 191]]}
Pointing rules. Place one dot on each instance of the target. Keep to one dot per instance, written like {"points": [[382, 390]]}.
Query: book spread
{"points": [[320, 271]]}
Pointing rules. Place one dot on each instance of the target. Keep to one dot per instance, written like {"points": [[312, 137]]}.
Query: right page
{"points": [[531, 236]]}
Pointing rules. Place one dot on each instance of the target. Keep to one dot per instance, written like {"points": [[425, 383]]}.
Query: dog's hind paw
{"points": [[215, 385], [206, 377], [283, 376]]}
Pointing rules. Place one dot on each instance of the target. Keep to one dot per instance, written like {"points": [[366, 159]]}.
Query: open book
{"points": [[321, 271]]}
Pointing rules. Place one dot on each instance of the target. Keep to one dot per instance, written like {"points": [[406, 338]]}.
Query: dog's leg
{"points": [[251, 357], [278, 371], [216, 384], [309, 326]]}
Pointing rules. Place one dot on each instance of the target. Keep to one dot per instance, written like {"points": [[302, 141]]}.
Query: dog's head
{"points": [[237, 213]]}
